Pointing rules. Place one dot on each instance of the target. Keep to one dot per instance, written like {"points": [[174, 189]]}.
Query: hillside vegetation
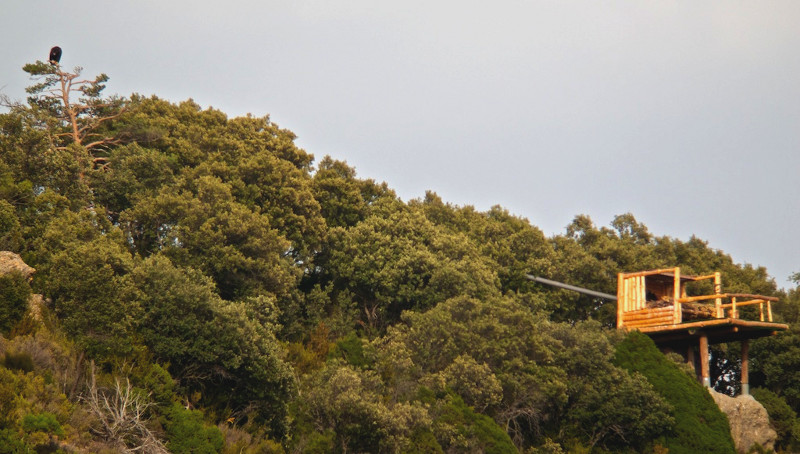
{"points": [[209, 287]]}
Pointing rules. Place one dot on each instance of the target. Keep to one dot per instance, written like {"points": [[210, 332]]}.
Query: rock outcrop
{"points": [[10, 262], [748, 419]]}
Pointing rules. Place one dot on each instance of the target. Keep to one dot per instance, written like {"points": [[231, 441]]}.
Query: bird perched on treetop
{"points": [[55, 55]]}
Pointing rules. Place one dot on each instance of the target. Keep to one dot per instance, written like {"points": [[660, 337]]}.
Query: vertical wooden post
{"points": [[628, 304], [642, 294], [717, 291], [676, 293], [733, 308], [704, 372], [745, 367], [620, 300], [769, 310]]}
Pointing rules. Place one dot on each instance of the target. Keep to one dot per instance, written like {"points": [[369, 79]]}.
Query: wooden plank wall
{"points": [[632, 308], [633, 296], [649, 317]]}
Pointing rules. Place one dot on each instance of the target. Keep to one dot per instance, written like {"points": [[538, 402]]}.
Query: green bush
{"points": [[351, 349], [320, 443], [14, 295], [475, 427], [781, 416], [11, 443], [700, 426], [423, 441], [458, 428], [42, 422], [159, 383], [186, 432]]}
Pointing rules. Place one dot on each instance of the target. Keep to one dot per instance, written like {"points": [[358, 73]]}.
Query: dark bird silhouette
{"points": [[55, 55]]}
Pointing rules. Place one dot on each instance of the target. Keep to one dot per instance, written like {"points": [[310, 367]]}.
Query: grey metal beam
{"points": [[542, 280]]}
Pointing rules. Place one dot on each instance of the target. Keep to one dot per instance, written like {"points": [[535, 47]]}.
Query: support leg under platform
{"points": [[704, 372]]}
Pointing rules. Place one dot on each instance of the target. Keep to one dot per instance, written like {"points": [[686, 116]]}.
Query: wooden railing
{"points": [[734, 304]]}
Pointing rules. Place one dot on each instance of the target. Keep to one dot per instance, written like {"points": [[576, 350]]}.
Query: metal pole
{"points": [[542, 280]]}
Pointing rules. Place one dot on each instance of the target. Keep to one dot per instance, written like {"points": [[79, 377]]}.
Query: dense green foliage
{"points": [[14, 295], [203, 273], [700, 426], [187, 433], [782, 417]]}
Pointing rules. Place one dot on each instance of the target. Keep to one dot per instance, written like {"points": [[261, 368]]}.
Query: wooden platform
{"points": [[656, 300], [718, 330], [656, 303]]}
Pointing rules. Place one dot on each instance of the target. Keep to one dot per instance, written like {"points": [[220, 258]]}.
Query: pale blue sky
{"points": [[685, 113]]}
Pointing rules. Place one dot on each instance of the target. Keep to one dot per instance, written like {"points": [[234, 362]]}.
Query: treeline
{"points": [[209, 287]]}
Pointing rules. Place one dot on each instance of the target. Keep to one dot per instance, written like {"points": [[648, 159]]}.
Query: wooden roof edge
{"points": [[648, 272], [666, 273]]}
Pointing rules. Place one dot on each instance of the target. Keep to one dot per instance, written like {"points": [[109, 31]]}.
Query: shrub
{"points": [[473, 431], [42, 422], [458, 428], [700, 426], [10, 443], [351, 349], [14, 295], [781, 416], [187, 433], [40, 429]]}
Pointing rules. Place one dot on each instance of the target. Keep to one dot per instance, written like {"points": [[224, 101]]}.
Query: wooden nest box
{"points": [[656, 303]]}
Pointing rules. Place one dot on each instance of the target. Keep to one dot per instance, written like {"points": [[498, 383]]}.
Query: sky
{"points": [[684, 113]]}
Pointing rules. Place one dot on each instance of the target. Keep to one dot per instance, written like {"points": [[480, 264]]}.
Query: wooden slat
{"points": [[666, 310], [627, 290], [691, 299], [645, 319], [624, 301], [744, 303], [655, 322], [646, 315], [652, 309], [751, 295], [676, 296], [642, 293], [620, 301], [663, 320], [717, 291]]}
